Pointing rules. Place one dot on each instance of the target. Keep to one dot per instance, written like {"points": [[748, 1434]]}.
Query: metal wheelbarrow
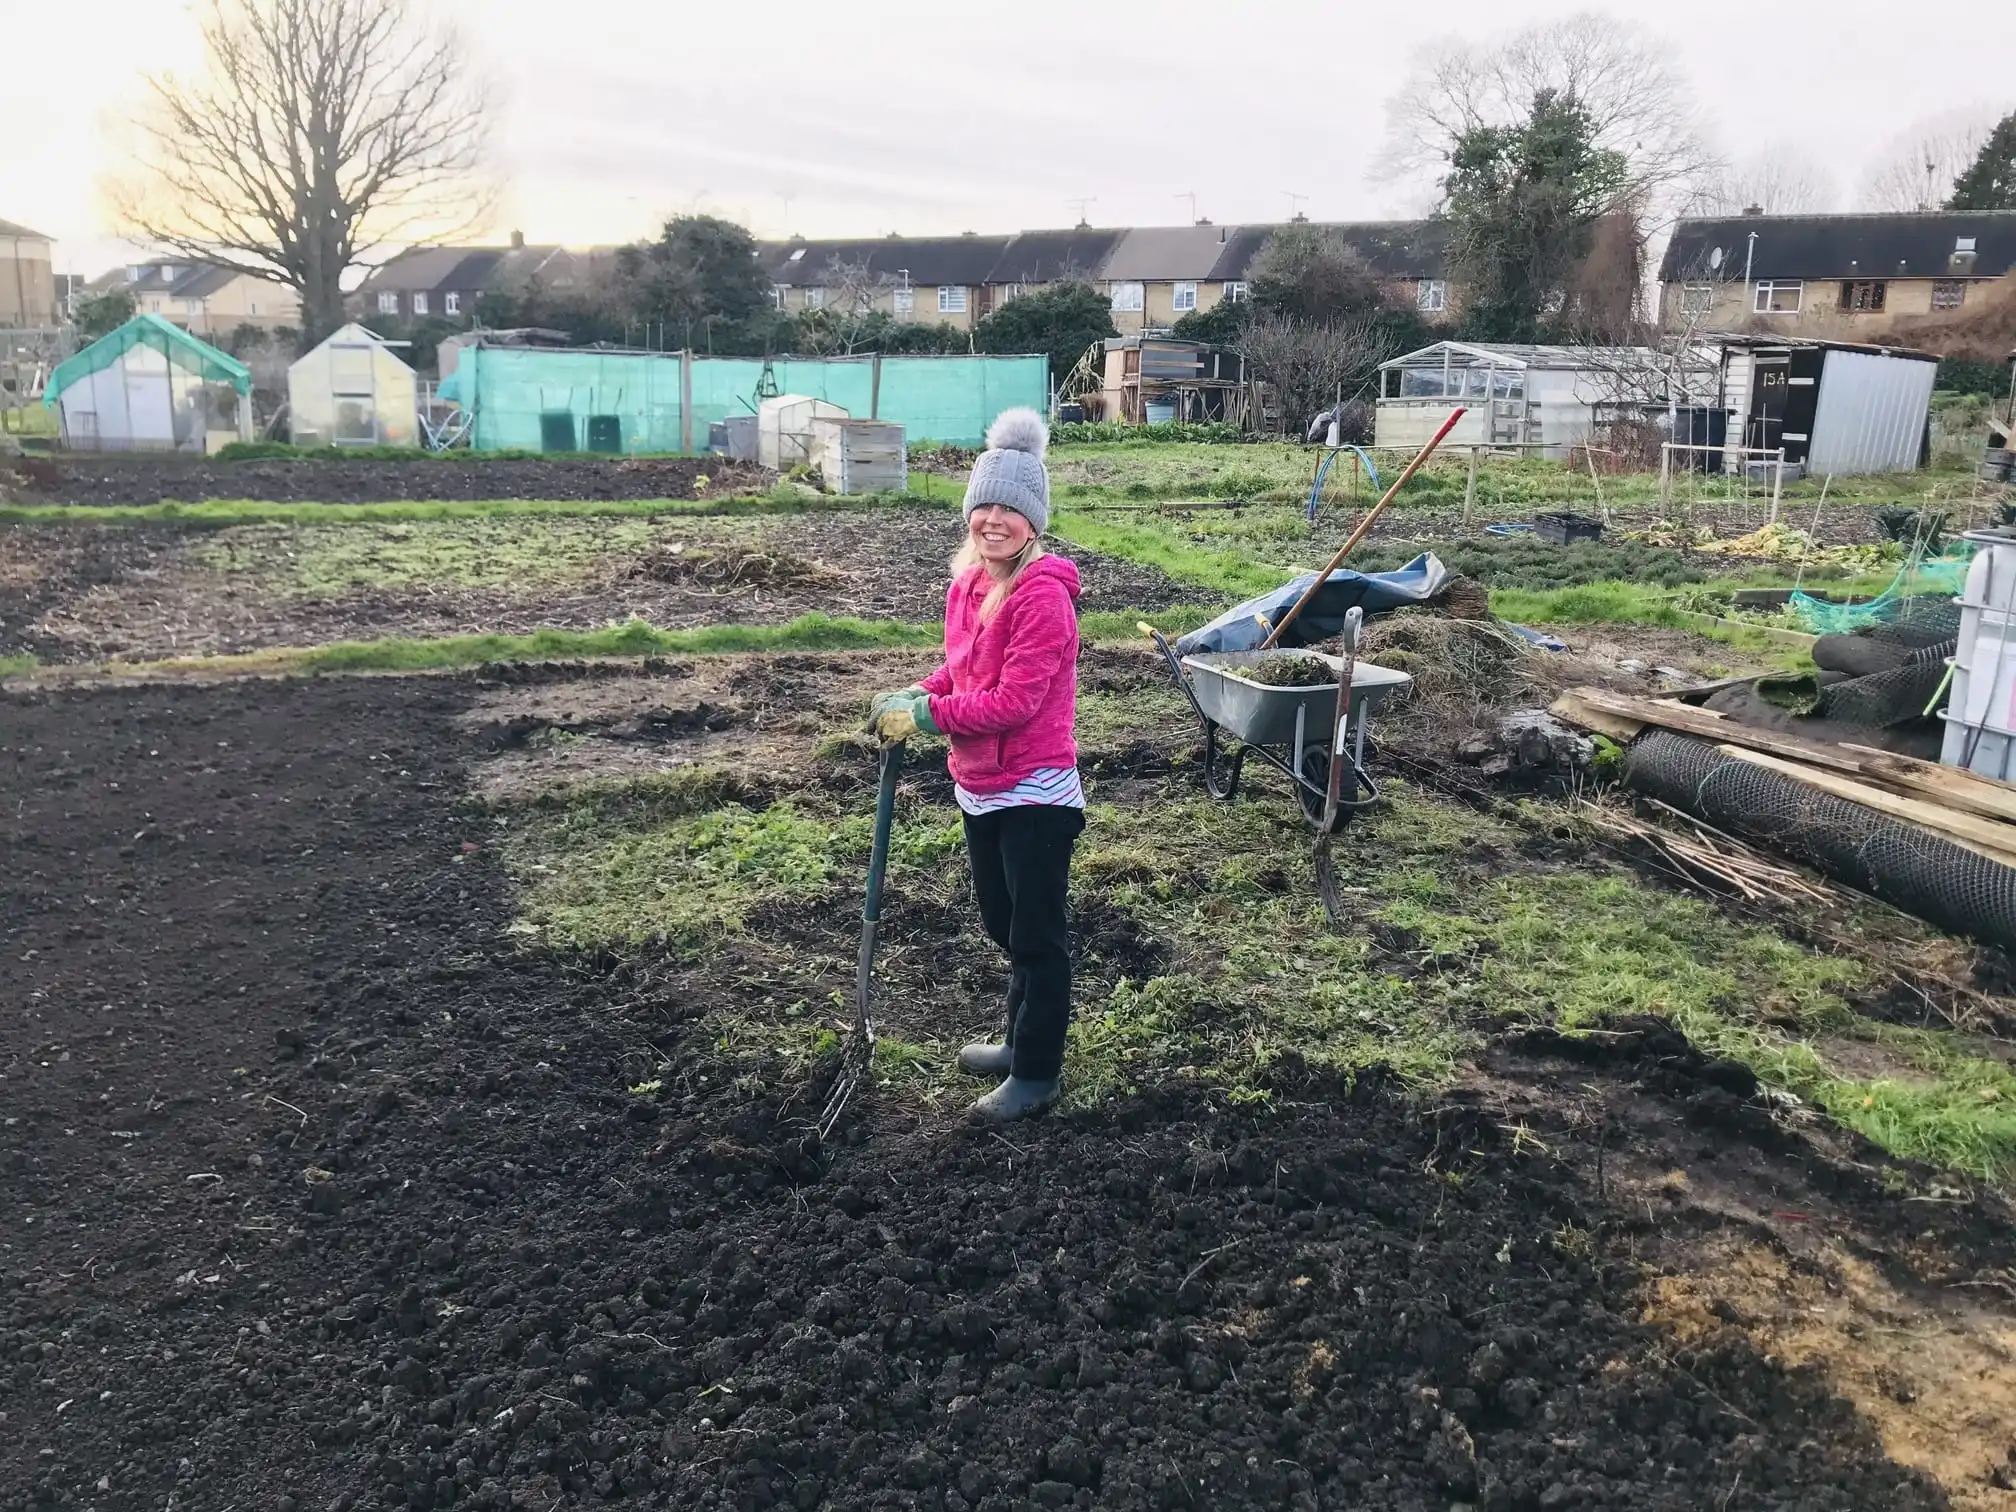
{"points": [[1294, 729]]}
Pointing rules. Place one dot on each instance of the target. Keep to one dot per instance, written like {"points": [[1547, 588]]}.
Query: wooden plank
{"points": [[1573, 708], [1955, 786], [1704, 723], [1985, 837], [1951, 787]]}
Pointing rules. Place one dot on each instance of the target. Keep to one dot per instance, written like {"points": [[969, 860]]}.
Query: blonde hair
{"points": [[968, 557]]}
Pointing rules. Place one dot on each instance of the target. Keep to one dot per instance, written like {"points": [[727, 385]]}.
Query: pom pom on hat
{"points": [[1019, 430]]}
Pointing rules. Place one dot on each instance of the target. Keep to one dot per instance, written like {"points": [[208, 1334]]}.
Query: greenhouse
{"points": [[352, 390], [1542, 398], [151, 386]]}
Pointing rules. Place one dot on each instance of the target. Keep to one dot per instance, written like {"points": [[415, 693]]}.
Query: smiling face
{"points": [[999, 534]]}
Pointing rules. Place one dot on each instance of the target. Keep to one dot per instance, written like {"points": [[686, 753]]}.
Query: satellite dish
{"points": [[1715, 257]]}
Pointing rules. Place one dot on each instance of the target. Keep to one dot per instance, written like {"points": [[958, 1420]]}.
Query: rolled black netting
{"points": [[1946, 884], [1882, 698], [1924, 619]]}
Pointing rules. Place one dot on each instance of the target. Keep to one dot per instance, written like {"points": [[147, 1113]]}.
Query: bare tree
{"points": [[1781, 179], [1310, 365], [320, 132], [1916, 171], [1638, 104]]}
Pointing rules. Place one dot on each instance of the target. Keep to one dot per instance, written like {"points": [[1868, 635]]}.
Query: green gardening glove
{"points": [[903, 716], [879, 705]]}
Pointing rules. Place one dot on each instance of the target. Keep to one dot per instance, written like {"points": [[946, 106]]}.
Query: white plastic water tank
{"points": [[1980, 714]]}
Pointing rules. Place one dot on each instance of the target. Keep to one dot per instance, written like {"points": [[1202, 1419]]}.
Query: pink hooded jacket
{"points": [[1007, 694]]}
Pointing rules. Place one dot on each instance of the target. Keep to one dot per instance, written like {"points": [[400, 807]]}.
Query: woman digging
{"points": [[1006, 697]]}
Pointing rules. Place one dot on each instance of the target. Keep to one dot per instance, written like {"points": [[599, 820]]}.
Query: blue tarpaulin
{"points": [[1245, 627]]}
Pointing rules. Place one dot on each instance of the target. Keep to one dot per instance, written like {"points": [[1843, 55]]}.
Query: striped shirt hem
{"points": [[1046, 787]]}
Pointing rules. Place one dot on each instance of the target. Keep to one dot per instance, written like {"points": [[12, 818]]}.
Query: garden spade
{"points": [[859, 1050], [1340, 762]]}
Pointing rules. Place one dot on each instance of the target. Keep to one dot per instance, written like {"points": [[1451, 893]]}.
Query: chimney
{"points": [[1749, 210], [517, 241]]}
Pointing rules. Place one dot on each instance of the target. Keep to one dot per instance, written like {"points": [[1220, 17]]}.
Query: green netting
{"points": [[1940, 576], [522, 396], [177, 345]]}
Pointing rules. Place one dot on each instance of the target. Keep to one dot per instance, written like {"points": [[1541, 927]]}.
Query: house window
{"points": [[388, 304], [192, 307], [1781, 298], [1185, 297], [1128, 296], [1949, 294], [451, 304], [1863, 296], [815, 299], [419, 302], [952, 299], [903, 301], [1697, 299], [1431, 296], [1234, 292], [777, 293]]}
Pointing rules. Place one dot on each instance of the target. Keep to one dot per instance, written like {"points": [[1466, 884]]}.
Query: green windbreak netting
{"points": [[544, 400], [177, 345]]}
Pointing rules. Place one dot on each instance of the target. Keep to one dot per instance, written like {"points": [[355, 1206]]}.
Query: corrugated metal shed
{"points": [[1871, 414]]}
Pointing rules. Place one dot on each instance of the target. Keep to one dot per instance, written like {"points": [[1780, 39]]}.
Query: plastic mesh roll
{"points": [[1946, 884], [1921, 621], [1882, 698]]}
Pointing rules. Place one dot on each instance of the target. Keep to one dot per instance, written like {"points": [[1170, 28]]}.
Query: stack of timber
{"points": [[1935, 840]]}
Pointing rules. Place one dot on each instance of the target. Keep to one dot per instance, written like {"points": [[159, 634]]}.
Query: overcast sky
{"points": [[829, 118]]}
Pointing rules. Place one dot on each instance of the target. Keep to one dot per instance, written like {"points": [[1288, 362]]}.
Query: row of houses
{"points": [[1813, 276]]}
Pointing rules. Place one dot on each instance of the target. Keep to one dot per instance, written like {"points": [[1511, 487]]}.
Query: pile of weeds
{"points": [[1460, 666], [722, 568]]}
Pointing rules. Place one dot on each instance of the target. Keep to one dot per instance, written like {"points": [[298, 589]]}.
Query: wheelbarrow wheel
{"points": [[1316, 770], [1221, 765], [1315, 775]]}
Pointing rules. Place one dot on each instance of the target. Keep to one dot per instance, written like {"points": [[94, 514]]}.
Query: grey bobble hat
{"points": [[1010, 472]]}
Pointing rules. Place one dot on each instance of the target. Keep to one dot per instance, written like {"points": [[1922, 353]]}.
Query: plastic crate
{"points": [[1561, 528]]}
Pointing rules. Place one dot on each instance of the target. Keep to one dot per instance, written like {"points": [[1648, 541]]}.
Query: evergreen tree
{"points": [[1991, 183]]}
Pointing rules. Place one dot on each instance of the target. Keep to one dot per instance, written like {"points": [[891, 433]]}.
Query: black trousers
{"points": [[1021, 880]]}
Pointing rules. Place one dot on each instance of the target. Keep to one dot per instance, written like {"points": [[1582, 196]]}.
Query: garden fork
{"points": [[859, 1051]]}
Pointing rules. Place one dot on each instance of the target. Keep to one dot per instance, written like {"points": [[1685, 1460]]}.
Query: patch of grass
{"points": [[1581, 950], [16, 666], [808, 632], [1227, 572], [1586, 604], [492, 552], [213, 513], [684, 882]]}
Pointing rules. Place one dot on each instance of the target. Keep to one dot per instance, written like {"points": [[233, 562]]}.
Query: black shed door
{"points": [[1767, 403], [1802, 401]]}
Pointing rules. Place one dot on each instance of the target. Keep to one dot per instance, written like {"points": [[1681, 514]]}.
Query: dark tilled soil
{"points": [[85, 593], [191, 480], [321, 1195]]}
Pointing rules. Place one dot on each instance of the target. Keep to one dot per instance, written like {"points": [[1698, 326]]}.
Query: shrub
{"points": [[1210, 432]]}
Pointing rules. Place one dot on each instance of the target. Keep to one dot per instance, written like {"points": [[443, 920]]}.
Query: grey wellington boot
{"points": [[987, 1060], [1017, 1097]]}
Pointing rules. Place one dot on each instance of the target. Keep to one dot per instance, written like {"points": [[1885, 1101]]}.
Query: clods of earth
{"points": [[333, 1182], [139, 592], [143, 480]]}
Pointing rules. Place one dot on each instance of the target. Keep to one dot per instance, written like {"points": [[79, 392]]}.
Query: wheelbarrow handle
{"points": [[1175, 669]]}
